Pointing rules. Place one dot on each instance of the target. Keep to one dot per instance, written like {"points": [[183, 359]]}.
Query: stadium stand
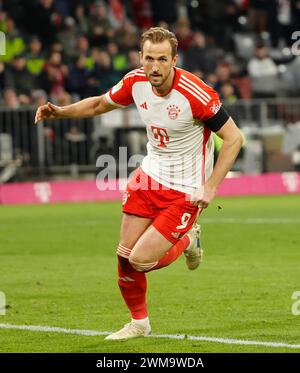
{"points": [[63, 51]]}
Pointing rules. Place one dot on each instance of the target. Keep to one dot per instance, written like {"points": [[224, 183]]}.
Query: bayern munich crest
{"points": [[173, 111], [126, 195]]}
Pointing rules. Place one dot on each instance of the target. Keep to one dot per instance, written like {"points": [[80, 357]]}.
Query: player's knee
{"points": [[139, 264], [135, 262]]}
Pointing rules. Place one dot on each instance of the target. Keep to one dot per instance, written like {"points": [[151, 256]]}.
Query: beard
{"points": [[161, 82]]}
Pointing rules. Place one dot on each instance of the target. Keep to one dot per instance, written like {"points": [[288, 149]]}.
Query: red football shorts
{"points": [[172, 213]]}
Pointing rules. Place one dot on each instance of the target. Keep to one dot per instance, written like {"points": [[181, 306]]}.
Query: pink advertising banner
{"points": [[56, 192], [84, 191], [264, 184]]}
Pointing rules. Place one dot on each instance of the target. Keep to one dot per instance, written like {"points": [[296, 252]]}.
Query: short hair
{"points": [[158, 35]]}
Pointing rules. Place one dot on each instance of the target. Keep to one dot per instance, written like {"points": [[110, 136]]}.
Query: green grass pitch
{"points": [[58, 268]]}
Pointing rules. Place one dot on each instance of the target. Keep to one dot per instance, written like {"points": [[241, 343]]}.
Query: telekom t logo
{"points": [[160, 134]]}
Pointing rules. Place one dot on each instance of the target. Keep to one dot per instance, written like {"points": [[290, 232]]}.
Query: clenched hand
{"points": [[202, 197]]}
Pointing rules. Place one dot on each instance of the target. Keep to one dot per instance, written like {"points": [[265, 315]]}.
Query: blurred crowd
{"points": [[63, 50]]}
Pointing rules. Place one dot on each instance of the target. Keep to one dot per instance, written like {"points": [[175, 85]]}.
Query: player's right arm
{"points": [[86, 108]]}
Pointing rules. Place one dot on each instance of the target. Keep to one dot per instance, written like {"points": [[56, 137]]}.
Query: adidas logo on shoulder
{"points": [[144, 106]]}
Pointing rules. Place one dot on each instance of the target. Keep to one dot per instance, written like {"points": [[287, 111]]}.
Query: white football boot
{"points": [[131, 330], [194, 253]]}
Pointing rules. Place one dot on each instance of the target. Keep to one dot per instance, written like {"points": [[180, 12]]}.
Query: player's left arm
{"points": [[232, 143]]}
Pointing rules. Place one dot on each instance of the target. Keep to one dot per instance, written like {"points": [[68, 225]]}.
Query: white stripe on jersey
{"points": [[131, 75], [138, 72], [193, 93], [199, 88], [110, 101], [135, 71], [187, 85]]}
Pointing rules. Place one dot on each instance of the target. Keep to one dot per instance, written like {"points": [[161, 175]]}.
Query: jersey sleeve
{"points": [[210, 110], [121, 94]]}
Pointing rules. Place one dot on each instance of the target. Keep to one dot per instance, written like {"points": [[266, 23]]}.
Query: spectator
{"points": [[142, 14], [38, 97], [14, 42], [228, 93], [224, 76], [119, 59], [102, 77], [43, 20], [10, 99], [263, 73], [19, 78], [184, 34], [83, 49], [15, 9], [126, 37], [99, 25], [227, 24], [199, 56], [53, 78], [94, 22], [83, 45], [99, 15], [68, 38], [116, 13], [35, 59], [82, 20], [258, 15], [78, 77], [62, 98], [56, 47], [133, 60]]}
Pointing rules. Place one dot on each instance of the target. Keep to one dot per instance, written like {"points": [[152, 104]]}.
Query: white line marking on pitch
{"points": [[51, 329]]}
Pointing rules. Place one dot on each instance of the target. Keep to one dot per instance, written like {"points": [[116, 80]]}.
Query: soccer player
{"points": [[176, 179]]}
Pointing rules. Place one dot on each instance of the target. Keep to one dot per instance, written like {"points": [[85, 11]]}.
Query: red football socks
{"points": [[133, 284], [171, 255]]}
